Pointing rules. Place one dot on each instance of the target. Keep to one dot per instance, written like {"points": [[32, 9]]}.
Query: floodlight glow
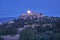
{"points": [[28, 11]]}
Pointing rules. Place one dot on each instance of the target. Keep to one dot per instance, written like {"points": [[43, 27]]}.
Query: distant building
{"points": [[19, 30], [44, 25], [9, 37], [33, 26], [27, 25], [11, 22]]}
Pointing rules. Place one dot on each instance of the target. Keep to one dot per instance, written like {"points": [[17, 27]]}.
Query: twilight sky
{"points": [[14, 8]]}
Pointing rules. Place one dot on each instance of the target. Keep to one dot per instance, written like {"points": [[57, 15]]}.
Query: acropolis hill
{"points": [[32, 14], [31, 26]]}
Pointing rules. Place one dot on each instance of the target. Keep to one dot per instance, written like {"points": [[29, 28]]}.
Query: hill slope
{"points": [[3, 20], [32, 26]]}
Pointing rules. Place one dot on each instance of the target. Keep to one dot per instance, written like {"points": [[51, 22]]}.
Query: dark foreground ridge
{"points": [[31, 26]]}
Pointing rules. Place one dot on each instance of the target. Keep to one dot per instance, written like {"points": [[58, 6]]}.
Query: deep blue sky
{"points": [[14, 8]]}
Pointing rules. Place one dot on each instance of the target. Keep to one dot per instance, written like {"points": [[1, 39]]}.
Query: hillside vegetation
{"points": [[33, 27]]}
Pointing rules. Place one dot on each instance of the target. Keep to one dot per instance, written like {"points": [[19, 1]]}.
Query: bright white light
{"points": [[28, 11]]}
